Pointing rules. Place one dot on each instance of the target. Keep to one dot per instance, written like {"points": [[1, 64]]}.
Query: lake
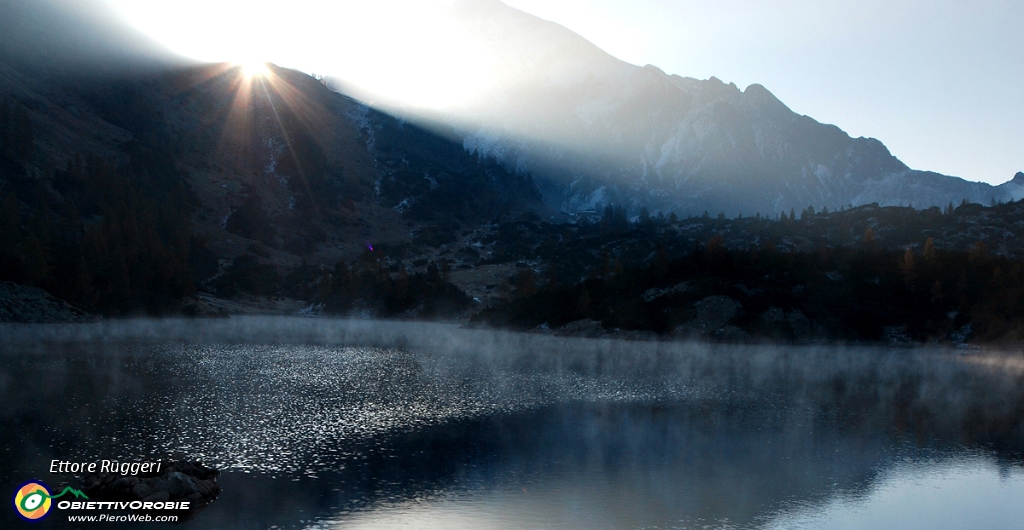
{"points": [[325, 424]]}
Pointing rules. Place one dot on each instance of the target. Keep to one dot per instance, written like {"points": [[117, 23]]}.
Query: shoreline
{"points": [[282, 329]]}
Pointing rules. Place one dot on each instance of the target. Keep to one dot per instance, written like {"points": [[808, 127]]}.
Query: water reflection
{"points": [[333, 425], [965, 491]]}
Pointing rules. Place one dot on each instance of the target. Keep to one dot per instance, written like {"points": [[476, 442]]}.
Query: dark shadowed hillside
{"points": [[125, 194]]}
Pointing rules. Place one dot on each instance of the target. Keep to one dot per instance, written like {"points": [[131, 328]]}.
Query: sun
{"points": [[254, 69]]}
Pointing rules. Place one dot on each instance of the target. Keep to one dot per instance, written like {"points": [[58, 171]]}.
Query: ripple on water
{"points": [[306, 409]]}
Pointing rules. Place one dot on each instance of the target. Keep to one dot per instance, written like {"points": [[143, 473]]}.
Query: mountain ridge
{"points": [[604, 131]]}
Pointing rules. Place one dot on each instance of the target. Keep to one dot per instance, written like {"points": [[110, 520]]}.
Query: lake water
{"points": [[352, 424]]}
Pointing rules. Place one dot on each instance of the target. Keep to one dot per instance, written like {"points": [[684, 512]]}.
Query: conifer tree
{"points": [[929, 250], [907, 265]]}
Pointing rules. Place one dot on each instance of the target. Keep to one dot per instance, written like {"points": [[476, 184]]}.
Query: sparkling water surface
{"points": [[356, 424]]}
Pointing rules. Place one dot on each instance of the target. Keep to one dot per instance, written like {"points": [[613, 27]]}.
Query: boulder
{"points": [[180, 485], [714, 312], [731, 334], [773, 315], [582, 328], [651, 295], [801, 325], [177, 481]]}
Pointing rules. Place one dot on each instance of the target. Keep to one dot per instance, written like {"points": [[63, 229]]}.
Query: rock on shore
{"points": [[178, 481]]}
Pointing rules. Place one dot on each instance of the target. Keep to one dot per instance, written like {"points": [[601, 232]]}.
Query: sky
{"points": [[938, 81]]}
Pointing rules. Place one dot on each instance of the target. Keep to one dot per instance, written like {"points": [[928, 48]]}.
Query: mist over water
{"points": [[337, 424]]}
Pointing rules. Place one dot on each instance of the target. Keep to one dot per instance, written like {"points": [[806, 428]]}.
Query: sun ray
{"points": [[298, 106], [260, 103]]}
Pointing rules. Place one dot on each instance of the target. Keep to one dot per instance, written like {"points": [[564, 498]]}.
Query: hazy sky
{"points": [[938, 81]]}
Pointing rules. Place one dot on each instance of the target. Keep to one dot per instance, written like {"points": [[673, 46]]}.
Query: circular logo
{"points": [[32, 500]]}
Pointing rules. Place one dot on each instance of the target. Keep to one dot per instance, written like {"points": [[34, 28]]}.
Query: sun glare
{"points": [[253, 69], [426, 61]]}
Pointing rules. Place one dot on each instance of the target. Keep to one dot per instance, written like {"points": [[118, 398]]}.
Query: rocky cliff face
{"points": [[604, 131]]}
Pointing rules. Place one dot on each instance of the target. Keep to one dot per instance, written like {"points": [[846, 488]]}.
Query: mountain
{"points": [[199, 190], [156, 186], [137, 190], [604, 131]]}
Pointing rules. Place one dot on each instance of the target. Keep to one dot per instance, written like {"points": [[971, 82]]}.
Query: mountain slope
{"points": [[604, 131], [126, 193]]}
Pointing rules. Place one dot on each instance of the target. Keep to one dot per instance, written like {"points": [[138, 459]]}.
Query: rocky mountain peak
{"points": [[760, 96]]}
